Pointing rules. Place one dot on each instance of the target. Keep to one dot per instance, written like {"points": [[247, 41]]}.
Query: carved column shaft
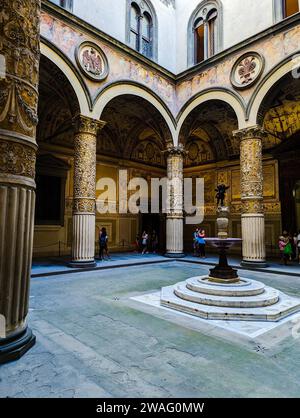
{"points": [[175, 210], [85, 142], [253, 221], [19, 50]]}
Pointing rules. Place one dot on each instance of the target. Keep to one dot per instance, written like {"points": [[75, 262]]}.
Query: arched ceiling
{"points": [[280, 111], [135, 130], [207, 133], [57, 106]]}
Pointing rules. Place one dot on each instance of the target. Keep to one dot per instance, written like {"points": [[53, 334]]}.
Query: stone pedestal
{"points": [[253, 220], [19, 40], [175, 208], [83, 243]]}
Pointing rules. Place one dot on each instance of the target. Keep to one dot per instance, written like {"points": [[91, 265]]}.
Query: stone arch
{"points": [[222, 95], [74, 79], [125, 88], [283, 68]]}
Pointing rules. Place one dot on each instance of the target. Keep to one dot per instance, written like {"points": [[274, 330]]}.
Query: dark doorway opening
{"points": [[155, 223], [288, 154]]}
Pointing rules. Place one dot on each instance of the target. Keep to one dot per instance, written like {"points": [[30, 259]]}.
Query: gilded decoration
{"points": [[85, 163], [175, 173], [92, 61], [251, 169], [19, 44], [17, 159]]}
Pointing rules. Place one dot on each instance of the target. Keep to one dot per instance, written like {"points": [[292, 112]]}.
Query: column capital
{"points": [[251, 132], [86, 125], [176, 150]]}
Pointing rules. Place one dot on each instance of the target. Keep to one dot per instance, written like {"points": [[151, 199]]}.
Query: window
{"points": [[289, 7], [199, 40], [205, 28], [141, 28], [66, 4], [285, 8]]}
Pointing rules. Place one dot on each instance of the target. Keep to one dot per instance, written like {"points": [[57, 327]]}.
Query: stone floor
{"points": [[92, 342], [56, 265]]}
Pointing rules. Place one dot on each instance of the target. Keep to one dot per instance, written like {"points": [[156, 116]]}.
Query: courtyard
{"points": [[93, 340]]}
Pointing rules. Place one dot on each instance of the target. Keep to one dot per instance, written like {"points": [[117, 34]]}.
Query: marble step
{"points": [[285, 306], [268, 298], [244, 288]]}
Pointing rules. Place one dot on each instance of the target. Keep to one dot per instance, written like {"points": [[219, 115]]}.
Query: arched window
{"points": [[134, 26], [199, 40], [66, 4], [205, 27], [147, 35], [141, 35], [285, 8]]}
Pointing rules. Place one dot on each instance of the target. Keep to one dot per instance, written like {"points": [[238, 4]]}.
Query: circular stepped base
{"points": [[244, 288], [267, 298], [247, 300]]}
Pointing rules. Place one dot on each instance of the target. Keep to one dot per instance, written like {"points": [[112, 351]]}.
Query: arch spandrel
{"points": [[124, 63]]}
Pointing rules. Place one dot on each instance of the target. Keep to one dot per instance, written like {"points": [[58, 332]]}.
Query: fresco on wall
{"points": [[274, 49], [122, 66]]}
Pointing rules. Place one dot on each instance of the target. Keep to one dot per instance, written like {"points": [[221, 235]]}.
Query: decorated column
{"points": [[84, 219], [19, 68], [175, 207], [253, 219]]}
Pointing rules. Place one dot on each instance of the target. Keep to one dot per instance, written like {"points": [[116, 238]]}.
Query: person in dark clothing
{"points": [[103, 240]]}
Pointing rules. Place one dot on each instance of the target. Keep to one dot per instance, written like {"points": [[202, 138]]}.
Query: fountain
{"points": [[223, 294]]}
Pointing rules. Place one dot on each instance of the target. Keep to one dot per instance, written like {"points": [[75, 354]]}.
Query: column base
{"points": [[254, 264], [82, 264], [175, 255], [14, 348]]}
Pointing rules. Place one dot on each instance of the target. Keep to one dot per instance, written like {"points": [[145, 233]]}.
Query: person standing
{"points": [[145, 238], [295, 245], [202, 243], [195, 242], [154, 242], [281, 245], [285, 247], [103, 247]]}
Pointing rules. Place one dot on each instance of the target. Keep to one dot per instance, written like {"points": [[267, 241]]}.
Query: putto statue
{"points": [[221, 192]]}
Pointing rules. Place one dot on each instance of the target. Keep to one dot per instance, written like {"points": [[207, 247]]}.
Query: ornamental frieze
{"points": [[84, 166], [17, 159], [84, 206], [19, 44]]}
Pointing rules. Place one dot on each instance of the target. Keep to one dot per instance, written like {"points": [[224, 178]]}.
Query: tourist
{"points": [[295, 246], [195, 242], [103, 240], [202, 243], [137, 244], [281, 244], [154, 242], [285, 247], [145, 238]]}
